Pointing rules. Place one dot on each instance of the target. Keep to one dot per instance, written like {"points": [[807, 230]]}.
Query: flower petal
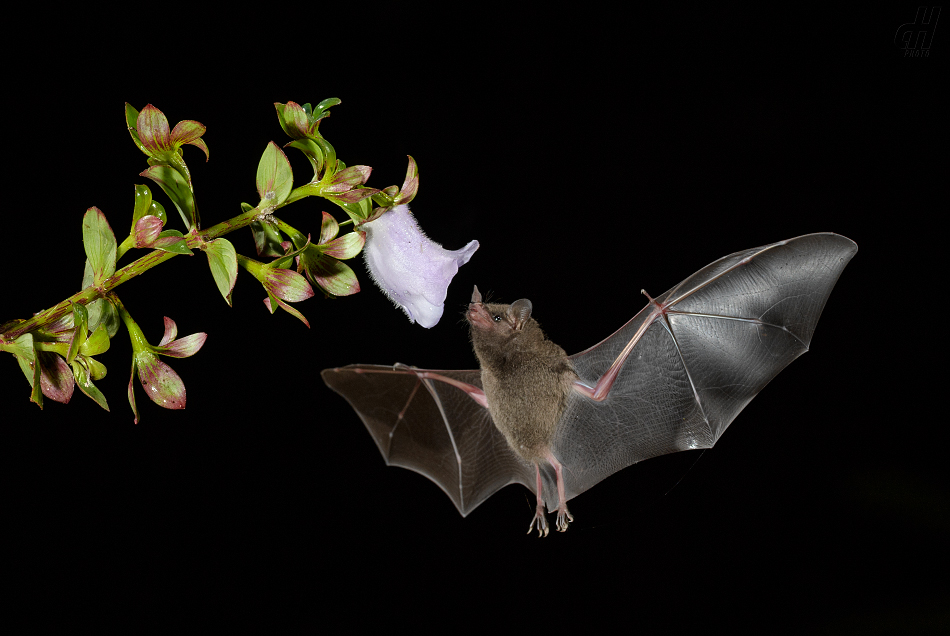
{"points": [[352, 176], [412, 270], [329, 228], [290, 310], [293, 119], [152, 128], [56, 378], [187, 131], [162, 385], [147, 230], [287, 284], [171, 332], [329, 274], [184, 347], [200, 143], [135, 410], [347, 246]]}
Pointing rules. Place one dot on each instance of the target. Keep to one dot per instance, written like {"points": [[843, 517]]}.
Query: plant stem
{"points": [[192, 240]]}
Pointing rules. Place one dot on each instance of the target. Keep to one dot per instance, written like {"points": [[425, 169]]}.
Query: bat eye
{"points": [[496, 318]]}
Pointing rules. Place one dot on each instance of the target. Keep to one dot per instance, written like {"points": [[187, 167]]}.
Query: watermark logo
{"points": [[916, 37]]}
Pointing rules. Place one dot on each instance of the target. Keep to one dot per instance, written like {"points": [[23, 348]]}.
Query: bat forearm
{"points": [[471, 390], [601, 390]]}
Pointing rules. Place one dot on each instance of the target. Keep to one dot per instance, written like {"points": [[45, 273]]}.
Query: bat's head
{"points": [[496, 321]]}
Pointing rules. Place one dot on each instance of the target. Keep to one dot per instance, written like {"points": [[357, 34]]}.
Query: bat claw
{"points": [[563, 518], [541, 522]]}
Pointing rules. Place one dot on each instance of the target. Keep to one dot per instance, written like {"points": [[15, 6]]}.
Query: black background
{"points": [[591, 155]]}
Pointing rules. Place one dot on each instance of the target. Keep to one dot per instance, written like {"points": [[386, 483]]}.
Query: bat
{"points": [[672, 379]]}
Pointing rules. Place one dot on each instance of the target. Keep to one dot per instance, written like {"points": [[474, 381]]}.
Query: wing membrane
{"points": [[729, 329], [432, 428]]}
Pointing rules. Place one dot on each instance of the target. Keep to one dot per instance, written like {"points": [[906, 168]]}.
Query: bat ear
{"points": [[519, 313]]}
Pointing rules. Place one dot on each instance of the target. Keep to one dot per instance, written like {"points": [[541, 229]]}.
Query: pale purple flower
{"points": [[411, 269]]}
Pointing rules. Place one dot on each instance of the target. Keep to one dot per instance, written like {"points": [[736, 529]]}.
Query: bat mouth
{"points": [[478, 316]]}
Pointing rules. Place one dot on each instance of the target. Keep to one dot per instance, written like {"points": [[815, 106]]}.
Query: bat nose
{"points": [[476, 295]]}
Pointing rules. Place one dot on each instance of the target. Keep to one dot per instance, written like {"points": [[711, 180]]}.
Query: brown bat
{"points": [[673, 378]]}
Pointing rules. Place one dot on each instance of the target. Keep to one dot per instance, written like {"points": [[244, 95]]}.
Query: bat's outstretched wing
{"points": [[433, 428], [722, 335]]}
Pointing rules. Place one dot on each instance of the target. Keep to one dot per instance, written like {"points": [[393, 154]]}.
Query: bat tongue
{"points": [[476, 295]]}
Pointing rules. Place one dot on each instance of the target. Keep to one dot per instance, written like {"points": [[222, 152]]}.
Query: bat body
{"points": [[673, 378]]}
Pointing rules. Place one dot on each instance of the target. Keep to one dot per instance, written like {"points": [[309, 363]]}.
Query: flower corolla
{"points": [[411, 269]]}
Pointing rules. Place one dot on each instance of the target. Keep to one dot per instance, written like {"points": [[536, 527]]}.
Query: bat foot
{"points": [[540, 522], [563, 518]]}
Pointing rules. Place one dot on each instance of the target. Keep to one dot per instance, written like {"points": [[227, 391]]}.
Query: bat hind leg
{"points": [[563, 515], [539, 521]]}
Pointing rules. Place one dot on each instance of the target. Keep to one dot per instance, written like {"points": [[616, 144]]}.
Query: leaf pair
{"points": [[56, 359], [148, 218], [150, 132]]}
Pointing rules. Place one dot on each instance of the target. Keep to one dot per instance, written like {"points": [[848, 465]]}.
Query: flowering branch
{"points": [[55, 348]]}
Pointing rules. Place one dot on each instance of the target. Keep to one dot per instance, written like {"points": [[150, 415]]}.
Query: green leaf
{"points": [[80, 322], [36, 396], [313, 152], [143, 201], [22, 347], [292, 118], [102, 313], [385, 196], [271, 302], [131, 116], [359, 211], [172, 241], [84, 382], [26, 362], [275, 179], [96, 369], [285, 260], [223, 261], [27, 358], [175, 186], [97, 343], [329, 155], [135, 410], [146, 206], [99, 243], [296, 236], [157, 209], [325, 104], [267, 239]]}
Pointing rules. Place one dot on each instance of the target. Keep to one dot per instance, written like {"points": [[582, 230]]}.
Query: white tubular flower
{"points": [[412, 270]]}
